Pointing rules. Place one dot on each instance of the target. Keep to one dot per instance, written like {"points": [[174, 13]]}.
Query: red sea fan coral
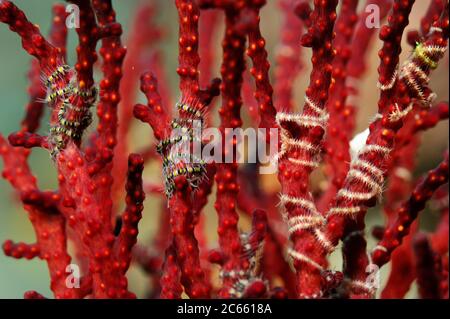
{"points": [[285, 251]]}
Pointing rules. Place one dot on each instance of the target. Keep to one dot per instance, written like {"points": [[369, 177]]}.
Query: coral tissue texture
{"points": [[222, 228]]}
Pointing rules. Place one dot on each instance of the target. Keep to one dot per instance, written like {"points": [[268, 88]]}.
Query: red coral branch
{"points": [[170, 281], [32, 40], [408, 211], [20, 250], [127, 237], [282, 255], [143, 36], [288, 59], [341, 115], [88, 35], [400, 167], [113, 54], [185, 243], [260, 70], [363, 37], [49, 228], [427, 268], [233, 66], [301, 135], [154, 113]]}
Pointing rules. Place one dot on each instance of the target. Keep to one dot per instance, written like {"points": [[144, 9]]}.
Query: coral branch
{"points": [[359, 190], [185, 243], [363, 37], [49, 228], [154, 113], [328, 176], [143, 36], [113, 54], [188, 45], [260, 70], [88, 35], [20, 250], [133, 213], [427, 268], [289, 63], [233, 66], [301, 135], [170, 281], [408, 211], [342, 116], [32, 40]]}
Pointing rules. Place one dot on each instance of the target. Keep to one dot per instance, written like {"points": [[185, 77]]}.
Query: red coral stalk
{"points": [[283, 254], [400, 185], [260, 70], [32, 40], [355, 195], [232, 68], [427, 268], [406, 214], [170, 280], [341, 115], [49, 228], [300, 141], [180, 202], [288, 59], [144, 35], [133, 213], [363, 37]]}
